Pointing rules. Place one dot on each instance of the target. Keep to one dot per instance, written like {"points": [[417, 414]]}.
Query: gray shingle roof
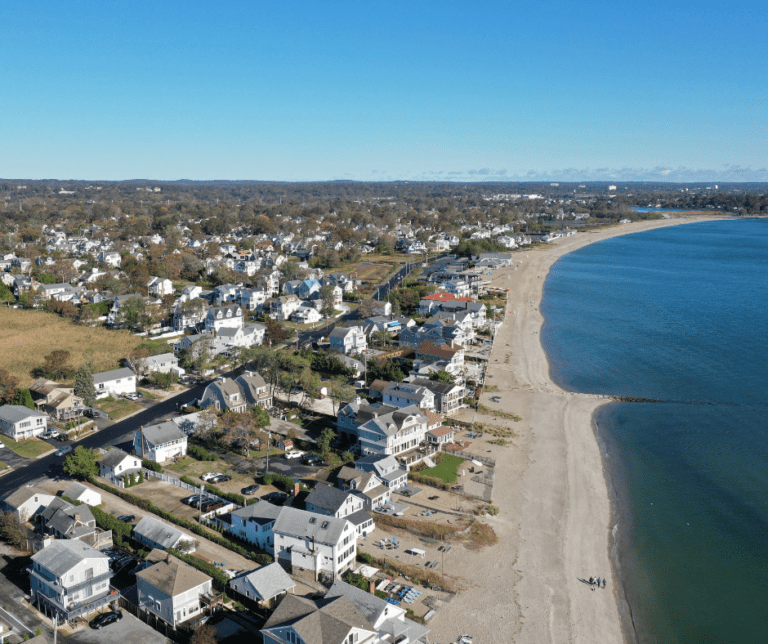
{"points": [[308, 525], [163, 433], [172, 577], [64, 554], [261, 512], [328, 498], [15, 413], [106, 376], [266, 582], [164, 535], [19, 497], [113, 457]]}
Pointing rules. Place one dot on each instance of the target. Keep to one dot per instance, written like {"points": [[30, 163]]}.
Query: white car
{"points": [[210, 475], [294, 453], [2, 445]]}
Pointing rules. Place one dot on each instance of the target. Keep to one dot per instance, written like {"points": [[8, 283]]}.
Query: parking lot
{"points": [[129, 630]]}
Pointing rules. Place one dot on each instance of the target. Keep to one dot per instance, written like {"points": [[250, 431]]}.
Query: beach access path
{"points": [[555, 523]]}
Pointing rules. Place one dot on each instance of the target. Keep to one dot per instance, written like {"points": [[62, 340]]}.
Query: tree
{"points": [[442, 376], [12, 531], [325, 440], [341, 392], [84, 387], [276, 332], [131, 312], [310, 384], [239, 430], [380, 337], [8, 386], [81, 464], [205, 634], [366, 309], [23, 397], [328, 298], [348, 458], [136, 360], [56, 366]]}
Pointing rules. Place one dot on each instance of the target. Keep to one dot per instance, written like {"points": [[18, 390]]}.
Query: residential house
{"points": [[117, 312], [25, 503], [162, 442], [382, 308], [226, 294], [284, 306], [449, 398], [306, 314], [388, 620], [189, 314], [252, 298], [404, 394], [83, 493], [348, 340], [70, 579], [383, 429], [60, 292], [249, 389], [21, 285], [253, 523], [254, 389], [162, 363], [65, 520], [440, 436], [298, 620], [332, 501], [264, 586], [230, 316], [20, 422], [115, 465], [114, 383], [110, 257], [386, 468], [365, 485], [308, 289], [308, 541], [173, 590], [156, 534], [159, 286], [432, 352], [58, 401]]}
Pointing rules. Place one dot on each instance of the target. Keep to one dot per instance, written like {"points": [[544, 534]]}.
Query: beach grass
{"points": [[446, 470], [480, 535], [482, 409], [31, 448], [26, 337]]}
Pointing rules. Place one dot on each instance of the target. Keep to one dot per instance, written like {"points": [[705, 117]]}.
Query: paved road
{"points": [[111, 434]]}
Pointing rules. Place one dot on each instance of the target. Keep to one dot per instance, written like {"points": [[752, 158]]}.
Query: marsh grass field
{"points": [[26, 337]]}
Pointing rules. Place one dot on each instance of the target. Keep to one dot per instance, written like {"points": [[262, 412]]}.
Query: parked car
{"points": [[276, 498], [126, 517], [91, 413], [105, 619], [142, 565], [64, 450], [210, 475], [223, 478], [132, 396], [311, 459], [122, 562], [251, 489], [195, 499], [294, 453], [2, 445], [62, 438]]}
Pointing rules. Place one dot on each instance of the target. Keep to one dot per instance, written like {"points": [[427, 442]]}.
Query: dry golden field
{"points": [[27, 336]]}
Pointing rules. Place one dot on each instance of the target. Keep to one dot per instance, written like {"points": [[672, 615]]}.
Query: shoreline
{"points": [[557, 513]]}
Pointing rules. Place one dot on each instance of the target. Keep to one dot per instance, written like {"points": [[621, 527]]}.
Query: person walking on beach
{"points": [[591, 581], [603, 583], [598, 582]]}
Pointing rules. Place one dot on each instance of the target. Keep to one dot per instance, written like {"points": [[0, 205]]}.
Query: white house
{"points": [[25, 502], [253, 523], [20, 422], [314, 542], [284, 306], [264, 585], [404, 394], [156, 534], [386, 468], [116, 465], [252, 298], [83, 493], [382, 429], [230, 315], [162, 363], [306, 315], [171, 589], [70, 579], [159, 286], [348, 340], [162, 442], [114, 383]]}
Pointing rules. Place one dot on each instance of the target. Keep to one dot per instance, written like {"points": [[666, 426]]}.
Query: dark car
{"points": [[276, 498], [311, 459], [105, 619], [62, 437], [122, 562], [91, 413], [220, 479], [251, 489], [195, 499], [126, 517]]}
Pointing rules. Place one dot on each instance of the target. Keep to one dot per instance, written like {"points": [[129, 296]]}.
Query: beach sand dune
{"points": [[554, 525]]}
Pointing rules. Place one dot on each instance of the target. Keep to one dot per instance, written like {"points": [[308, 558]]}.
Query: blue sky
{"points": [[301, 91]]}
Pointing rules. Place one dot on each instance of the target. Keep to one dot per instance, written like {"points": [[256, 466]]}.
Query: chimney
{"points": [[296, 489], [372, 586], [77, 517], [313, 544], [168, 558]]}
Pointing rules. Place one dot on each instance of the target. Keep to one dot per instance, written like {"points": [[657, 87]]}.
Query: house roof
{"points": [[328, 498], [261, 512], [166, 536], [446, 297], [172, 576], [309, 525], [106, 376], [379, 385], [435, 385], [373, 608], [438, 350], [15, 413], [440, 431], [163, 433], [19, 497], [64, 554], [113, 457], [267, 582], [432, 417], [75, 490]]}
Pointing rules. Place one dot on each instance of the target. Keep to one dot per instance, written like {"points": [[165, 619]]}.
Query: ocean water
{"points": [[678, 314]]}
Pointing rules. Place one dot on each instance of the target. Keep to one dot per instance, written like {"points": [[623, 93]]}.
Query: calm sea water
{"points": [[678, 314]]}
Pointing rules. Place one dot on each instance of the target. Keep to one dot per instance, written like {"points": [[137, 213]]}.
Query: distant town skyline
{"points": [[422, 91]]}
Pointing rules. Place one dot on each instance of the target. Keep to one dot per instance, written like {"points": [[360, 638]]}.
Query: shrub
{"points": [[280, 481], [262, 558], [364, 557], [151, 465], [201, 454]]}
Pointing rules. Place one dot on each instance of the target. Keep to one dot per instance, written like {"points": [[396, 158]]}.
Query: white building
{"points": [[348, 340], [162, 363], [254, 524], [25, 502], [114, 383], [159, 286], [230, 315], [314, 542], [156, 534], [115, 465], [171, 589], [20, 422], [162, 442]]}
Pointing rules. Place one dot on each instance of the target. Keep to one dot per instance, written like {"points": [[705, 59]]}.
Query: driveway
{"points": [[128, 630]]}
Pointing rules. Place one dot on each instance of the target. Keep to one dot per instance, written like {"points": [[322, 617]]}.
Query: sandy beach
{"points": [[554, 525]]}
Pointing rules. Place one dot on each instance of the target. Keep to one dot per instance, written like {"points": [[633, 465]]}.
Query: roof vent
{"points": [[324, 525]]}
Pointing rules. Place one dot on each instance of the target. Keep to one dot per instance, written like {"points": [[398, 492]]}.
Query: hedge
{"points": [[201, 454], [220, 579], [280, 481], [151, 465]]}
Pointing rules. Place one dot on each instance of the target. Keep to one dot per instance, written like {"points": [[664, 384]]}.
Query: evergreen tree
{"points": [[84, 384], [23, 397]]}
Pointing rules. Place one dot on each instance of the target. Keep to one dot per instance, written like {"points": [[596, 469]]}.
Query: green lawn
{"points": [[3, 466], [446, 470], [116, 409], [31, 448], [150, 395]]}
